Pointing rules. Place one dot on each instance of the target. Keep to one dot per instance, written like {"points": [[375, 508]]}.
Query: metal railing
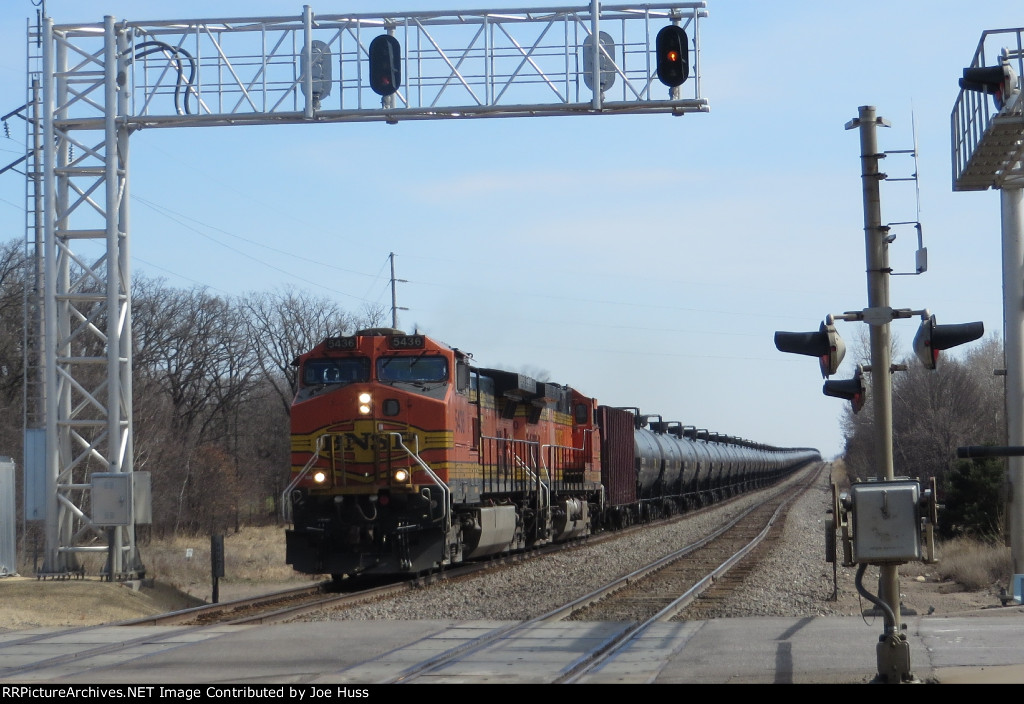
{"points": [[987, 144]]}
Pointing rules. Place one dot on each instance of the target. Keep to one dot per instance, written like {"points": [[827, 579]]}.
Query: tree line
{"points": [[213, 382], [212, 385]]}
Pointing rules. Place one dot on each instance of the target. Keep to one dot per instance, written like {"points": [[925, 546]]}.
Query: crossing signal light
{"points": [[673, 54], [852, 390], [998, 81], [385, 65], [932, 338], [825, 344]]}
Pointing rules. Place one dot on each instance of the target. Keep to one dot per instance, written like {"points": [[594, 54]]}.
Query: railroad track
{"points": [[662, 579], [654, 594], [665, 588], [295, 603]]}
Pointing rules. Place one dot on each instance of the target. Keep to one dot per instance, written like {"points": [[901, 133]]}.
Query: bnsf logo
{"points": [[352, 442]]}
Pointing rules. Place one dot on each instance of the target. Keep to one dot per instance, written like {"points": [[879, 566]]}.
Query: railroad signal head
{"points": [[385, 55], [825, 344], [606, 64], [852, 390], [998, 81], [672, 50], [932, 338], [318, 68]]}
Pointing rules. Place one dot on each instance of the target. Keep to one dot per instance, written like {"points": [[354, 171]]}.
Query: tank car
{"points": [[406, 458]]}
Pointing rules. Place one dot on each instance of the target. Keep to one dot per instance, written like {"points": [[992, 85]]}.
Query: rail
{"points": [[434, 665]]}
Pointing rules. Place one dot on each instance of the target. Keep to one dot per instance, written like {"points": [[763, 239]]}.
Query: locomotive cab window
{"points": [[582, 414], [415, 369], [336, 371]]}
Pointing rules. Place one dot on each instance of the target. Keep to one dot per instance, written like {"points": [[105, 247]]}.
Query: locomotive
{"points": [[407, 458]]}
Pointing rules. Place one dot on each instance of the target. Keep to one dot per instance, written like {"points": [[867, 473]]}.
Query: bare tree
{"points": [[285, 324], [212, 387], [934, 412], [196, 371], [12, 283], [12, 354]]}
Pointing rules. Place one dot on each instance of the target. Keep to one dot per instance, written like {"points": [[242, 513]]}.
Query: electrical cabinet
{"points": [[886, 521]]}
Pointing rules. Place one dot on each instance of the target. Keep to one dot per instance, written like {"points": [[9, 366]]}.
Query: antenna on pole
{"points": [[921, 256], [394, 297]]}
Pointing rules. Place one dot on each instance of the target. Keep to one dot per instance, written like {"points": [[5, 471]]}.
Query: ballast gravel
{"points": [[793, 580]]}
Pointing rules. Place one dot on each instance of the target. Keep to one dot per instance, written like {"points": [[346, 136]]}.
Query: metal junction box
{"points": [[886, 521], [112, 498]]}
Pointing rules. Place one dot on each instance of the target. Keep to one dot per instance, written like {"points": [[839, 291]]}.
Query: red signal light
{"points": [[385, 56]]}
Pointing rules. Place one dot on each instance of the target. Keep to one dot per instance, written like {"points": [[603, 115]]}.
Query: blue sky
{"points": [[645, 260]]}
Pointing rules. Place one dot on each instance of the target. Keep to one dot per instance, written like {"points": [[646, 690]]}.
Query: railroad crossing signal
{"points": [[825, 344], [672, 49], [852, 390], [998, 81], [932, 338], [385, 55]]}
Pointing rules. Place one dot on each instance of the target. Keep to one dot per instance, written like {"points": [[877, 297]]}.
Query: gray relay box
{"points": [[886, 521]]}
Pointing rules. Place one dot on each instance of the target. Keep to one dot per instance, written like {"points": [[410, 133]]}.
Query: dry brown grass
{"points": [[253, 555], [838, 475], [971, 564], [974, 564]]}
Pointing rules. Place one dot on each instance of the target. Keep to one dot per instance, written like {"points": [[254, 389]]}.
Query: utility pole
{"points": [[394, 295], [1013, 335]]}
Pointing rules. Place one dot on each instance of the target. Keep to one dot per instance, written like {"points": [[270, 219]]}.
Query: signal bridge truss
{"points": [[91, 86], [988, 142]]}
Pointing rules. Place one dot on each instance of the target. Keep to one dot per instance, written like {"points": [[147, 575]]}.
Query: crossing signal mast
{"points": [[887, 521]]}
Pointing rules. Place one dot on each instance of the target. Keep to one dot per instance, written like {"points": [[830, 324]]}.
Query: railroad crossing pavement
{"points": [[979, 648]]}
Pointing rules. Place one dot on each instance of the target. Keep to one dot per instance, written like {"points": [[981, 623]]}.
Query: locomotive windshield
{"points": [[421, 368], [336, 371]]}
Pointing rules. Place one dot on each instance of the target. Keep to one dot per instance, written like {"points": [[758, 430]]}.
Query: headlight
{"points": [[319, 476], [400, 476], [364, 403]]}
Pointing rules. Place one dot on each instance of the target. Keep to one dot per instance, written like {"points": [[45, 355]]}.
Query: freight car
{"points": [[406, 458]]}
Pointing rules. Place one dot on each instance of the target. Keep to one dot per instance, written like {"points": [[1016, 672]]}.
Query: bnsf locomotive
{"points": [[406, 457]]}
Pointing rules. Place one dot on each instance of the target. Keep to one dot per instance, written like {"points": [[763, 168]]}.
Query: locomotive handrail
{"points": [[544, 454], [544, 490], [445, 491], [285, 505]]}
